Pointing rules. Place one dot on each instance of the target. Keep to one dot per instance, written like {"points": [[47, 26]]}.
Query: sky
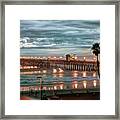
{"points": [[58, 37]]}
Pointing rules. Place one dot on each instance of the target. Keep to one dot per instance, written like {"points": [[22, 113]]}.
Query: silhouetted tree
{"points": [[96, 50]]}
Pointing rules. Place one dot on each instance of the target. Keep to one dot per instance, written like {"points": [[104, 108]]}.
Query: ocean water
{"points": [[58, 37], [67, 76]]}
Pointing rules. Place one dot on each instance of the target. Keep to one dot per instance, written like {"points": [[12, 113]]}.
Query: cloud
{"points": [[56, 34]]}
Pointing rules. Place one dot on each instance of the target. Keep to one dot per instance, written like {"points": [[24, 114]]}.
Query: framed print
{"points": [[60, 59]]}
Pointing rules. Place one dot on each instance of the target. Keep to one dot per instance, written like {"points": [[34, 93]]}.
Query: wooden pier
{"points": [[79, 65]]}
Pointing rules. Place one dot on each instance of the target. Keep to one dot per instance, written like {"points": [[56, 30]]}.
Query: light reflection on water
{"points": [[66, 76]]}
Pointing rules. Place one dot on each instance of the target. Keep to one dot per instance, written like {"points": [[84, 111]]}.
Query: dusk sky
{"points": [[58, 37]]}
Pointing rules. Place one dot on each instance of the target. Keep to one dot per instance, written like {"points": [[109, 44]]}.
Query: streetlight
{"points": [[40, 80]]}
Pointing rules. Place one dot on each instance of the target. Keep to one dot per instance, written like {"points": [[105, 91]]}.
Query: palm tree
{"points": [[96, 50]]}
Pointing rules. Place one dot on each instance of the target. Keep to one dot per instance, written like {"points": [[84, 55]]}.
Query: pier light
{"points": [[76, 85], [54, 71], [44, 71], [84, 84], [94, 83], [60, 70], [84, 74], [75, 74], [75, 71], [61, 57], [94, 74], [84, 58], [55, 87], [76, 57], [31, 66], [54, 57], [61, 86], [44, 57]]}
